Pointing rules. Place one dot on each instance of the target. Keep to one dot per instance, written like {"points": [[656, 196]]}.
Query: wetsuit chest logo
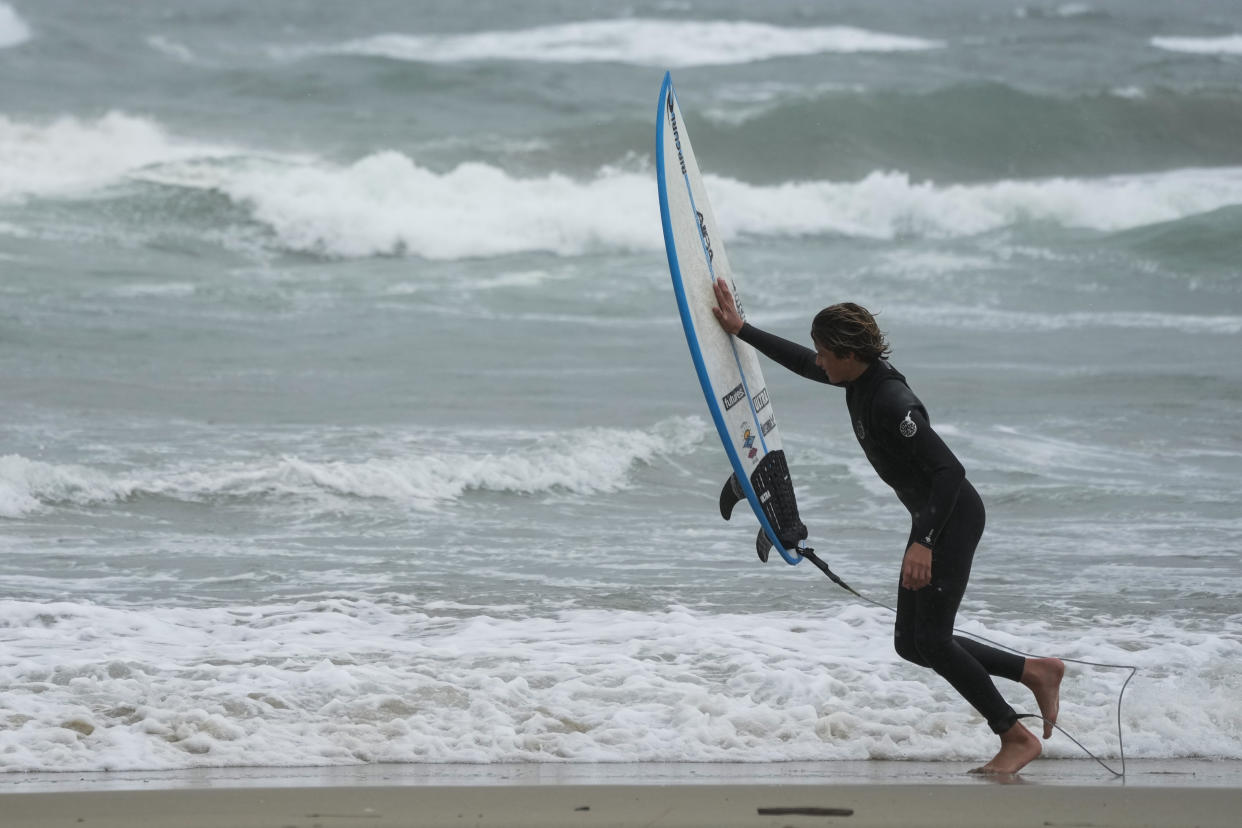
{"points": [[860, 429]]}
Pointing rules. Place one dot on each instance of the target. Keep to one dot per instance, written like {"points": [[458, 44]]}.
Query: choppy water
{"points": [[347, 416]]}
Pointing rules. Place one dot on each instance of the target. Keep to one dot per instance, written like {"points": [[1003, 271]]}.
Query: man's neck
{"points": [[858, 369]]}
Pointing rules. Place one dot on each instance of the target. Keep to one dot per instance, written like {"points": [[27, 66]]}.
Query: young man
{"points": [[946, 513]]}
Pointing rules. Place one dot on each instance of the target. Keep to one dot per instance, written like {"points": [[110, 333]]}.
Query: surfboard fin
{"points": [[763, 545], [730, 496]]}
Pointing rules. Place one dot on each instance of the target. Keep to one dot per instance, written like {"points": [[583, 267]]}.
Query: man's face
{"points": [[838, 369]]}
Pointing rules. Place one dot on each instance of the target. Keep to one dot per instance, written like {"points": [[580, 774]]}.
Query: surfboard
{"points": [[728, 369]]}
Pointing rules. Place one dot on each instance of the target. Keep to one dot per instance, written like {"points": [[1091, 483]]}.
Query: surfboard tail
{"points": [[774, 488]]}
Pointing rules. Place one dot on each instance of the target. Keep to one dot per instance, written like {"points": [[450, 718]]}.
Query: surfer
{"points": [[946, 512]]}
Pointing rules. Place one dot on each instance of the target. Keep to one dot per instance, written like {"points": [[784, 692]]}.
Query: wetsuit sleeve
{"points": [[797, 358], [901, 424]]}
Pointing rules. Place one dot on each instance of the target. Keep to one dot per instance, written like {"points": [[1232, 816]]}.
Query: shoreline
{"points": [[1200, 792], [1144, 773]]}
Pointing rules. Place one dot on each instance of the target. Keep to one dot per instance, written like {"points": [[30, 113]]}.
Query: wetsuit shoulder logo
{"points": [[908, 427]]}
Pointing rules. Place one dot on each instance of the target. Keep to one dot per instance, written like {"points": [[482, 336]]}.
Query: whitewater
{"points": [[386, 204], [347, 417]]}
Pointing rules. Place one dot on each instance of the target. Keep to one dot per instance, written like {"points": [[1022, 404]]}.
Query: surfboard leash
{"points": [[823, 567]]}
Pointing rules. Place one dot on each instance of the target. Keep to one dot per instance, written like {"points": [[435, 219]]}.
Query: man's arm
{"points": [[796, 358], [904, 428]]}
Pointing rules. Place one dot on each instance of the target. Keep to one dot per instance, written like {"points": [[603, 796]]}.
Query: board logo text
{"points": [[707, 240], [733, 397], [672, 117]]}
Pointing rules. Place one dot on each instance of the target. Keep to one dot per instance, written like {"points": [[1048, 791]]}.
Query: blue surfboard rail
{"points": [[687, 322]]}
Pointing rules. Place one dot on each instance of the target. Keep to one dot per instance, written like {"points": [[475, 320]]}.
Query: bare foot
{"points": [[1043, 676], [1018, 747]]}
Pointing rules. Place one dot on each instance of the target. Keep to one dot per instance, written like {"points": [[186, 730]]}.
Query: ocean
{"points": [[347, 416]]}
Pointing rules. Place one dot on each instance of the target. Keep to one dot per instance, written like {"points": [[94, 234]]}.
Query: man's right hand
{"points": [[726, 309]]}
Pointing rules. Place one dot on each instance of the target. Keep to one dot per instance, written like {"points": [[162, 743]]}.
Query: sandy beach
{"points": [[1054, 793]]}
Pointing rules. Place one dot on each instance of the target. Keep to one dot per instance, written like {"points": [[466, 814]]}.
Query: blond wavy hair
{"points": [[847, 328]]}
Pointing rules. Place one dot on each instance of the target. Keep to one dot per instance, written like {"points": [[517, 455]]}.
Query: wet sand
{"points": [[1050, 793]]}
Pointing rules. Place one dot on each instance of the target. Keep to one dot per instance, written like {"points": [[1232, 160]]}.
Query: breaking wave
{"points": [[643, 42], [582, 461], [70, 156], [386, 203], [13, 30], [1230, 45]]}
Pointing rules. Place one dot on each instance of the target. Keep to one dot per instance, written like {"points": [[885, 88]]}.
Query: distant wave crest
{"points": [[644, 42], [1229, 45], [25, 485], [173, 49], [13, 30], [70, 155]]}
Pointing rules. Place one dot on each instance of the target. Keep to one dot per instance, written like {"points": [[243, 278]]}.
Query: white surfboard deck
{"points": [[728, 369]]}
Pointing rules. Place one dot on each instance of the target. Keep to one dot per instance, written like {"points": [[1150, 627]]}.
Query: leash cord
{"points": [[810, 555]]}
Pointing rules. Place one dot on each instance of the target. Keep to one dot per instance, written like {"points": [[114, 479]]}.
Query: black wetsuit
{"points": [[946, 515]]}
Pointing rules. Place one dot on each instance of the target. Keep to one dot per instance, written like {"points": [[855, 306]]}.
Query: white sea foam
{"points": [[645, 42], [740, 103], [1013, 449], [86, 687], [890, 205], [584, 461], [13, 30], [25, 484], [929, 264], [172, 49], [1075, 10], [69, 156], [1000, 319], [139, 290], [1228, 45], [14, 230], [386, 204], [1063, 11]]}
